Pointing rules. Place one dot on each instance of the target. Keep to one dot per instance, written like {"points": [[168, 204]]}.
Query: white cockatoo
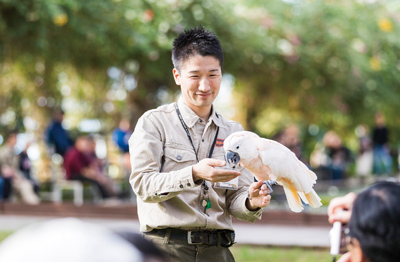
{"points": [[269, 160]]}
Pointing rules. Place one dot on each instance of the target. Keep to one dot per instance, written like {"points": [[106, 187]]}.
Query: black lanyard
{"points": [[191, 141]]}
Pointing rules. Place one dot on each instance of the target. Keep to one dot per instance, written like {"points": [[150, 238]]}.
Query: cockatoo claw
{"points": [[269, 184]]}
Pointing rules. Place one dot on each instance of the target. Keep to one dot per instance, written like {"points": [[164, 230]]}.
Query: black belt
{"points": [[225, 238]]}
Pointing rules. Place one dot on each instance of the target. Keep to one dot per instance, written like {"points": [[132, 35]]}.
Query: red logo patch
{"points": [[220, 142]]}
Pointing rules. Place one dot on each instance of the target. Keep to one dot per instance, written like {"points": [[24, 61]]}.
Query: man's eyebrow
{"points": [[197, 71]]}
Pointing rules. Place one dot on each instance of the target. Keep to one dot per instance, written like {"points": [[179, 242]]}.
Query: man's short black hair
{"points": [[375, 222], [195, 41]]}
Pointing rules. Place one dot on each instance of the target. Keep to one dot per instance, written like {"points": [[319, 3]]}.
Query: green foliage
{"points": [[335, 66], [329, 63]]}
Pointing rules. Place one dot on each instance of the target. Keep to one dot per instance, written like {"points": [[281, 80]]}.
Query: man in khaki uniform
{"points": [[176, 150]]}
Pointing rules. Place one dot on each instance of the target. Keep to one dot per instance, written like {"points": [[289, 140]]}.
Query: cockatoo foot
{"points": [[269, 185]]}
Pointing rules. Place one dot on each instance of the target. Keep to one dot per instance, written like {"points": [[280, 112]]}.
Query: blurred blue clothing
{"points": [[1, 188], [121, 139], [5, 188], [58, 136], [382, 160]]}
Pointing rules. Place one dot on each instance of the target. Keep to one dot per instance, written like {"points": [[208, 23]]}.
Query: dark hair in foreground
{"points": [[375, 222], [196, 41], [148, 249]]}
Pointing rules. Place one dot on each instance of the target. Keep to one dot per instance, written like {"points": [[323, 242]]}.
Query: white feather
{"points": [[268, 159]]}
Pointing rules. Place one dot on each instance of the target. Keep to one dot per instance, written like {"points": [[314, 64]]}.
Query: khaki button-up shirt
{"points": [[162, 158]]}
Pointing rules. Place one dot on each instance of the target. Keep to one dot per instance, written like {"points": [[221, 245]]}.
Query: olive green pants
{"points": [[180, 250]]}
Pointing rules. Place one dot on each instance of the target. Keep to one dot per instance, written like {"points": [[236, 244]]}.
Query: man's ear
{"points": [[177, 76]]}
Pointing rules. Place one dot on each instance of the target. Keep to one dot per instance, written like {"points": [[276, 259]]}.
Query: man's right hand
{"points": [[206, 170]]}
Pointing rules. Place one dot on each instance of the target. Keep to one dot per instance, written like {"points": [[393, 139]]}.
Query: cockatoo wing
{"points": [[286, 166], [297, 180]]}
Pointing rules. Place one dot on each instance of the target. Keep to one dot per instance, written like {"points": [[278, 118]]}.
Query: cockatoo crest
{"points": [[243, 144]]}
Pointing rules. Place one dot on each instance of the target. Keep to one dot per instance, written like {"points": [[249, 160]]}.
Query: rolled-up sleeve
{"points": [[146, 148]]}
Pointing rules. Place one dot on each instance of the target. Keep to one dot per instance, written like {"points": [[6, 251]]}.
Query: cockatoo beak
{"points": [[232, 157]]}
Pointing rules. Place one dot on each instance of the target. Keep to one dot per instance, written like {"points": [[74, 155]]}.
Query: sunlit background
{"points": [[322, 65], [313, 64]]}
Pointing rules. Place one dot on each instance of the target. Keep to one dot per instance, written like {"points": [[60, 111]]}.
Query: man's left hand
{"points": [[259, 197]]}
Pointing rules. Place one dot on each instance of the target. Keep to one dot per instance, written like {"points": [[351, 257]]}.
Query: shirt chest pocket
{"points": [[177, 158]]}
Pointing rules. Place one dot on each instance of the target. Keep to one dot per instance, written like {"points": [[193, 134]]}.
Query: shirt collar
{"points": [[191, 117], [216, 117]]}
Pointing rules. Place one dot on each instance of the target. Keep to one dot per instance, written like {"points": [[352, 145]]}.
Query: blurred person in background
{"points": [[25, 165], [96, 163], [373, 219], [57, 136], [380, 138], [13, 179], [121, 135], [100, 166], [1, 187], [290, 138], [333, 157], [80, 165], [364, 160]]}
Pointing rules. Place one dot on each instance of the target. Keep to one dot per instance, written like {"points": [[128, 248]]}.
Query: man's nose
{"points": [[204, 85]]}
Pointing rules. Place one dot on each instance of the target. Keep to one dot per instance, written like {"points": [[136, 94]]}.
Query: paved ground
{"points": [[274, 235]]}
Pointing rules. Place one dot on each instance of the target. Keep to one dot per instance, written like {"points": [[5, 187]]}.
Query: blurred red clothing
{"points": [[74, 162]]}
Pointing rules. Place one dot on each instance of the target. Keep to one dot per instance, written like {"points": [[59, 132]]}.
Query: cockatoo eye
{"points": [[237, 147]]}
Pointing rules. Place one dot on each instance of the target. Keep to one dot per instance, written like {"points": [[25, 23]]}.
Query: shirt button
{"points": [[188, 184], [179, 157], [201, 120], [202, 140], [181, 186]]}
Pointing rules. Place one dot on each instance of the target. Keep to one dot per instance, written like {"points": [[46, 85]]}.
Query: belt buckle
{"points": [[230, 237], [189, 239]]}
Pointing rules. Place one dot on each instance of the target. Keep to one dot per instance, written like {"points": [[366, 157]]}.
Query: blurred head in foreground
{"points": [[374, 227], [149, 250], [67, 239]]}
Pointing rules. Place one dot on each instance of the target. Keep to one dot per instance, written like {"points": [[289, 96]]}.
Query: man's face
{"points": [[12, 140], [200, 80], [83, 145]]}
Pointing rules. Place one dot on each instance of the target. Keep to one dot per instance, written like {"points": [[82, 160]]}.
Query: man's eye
{"points": [[194, 76]]}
